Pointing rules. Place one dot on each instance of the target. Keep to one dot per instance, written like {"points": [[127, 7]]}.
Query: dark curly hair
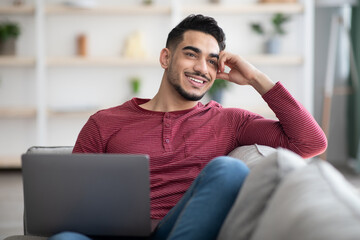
{"points": [[198, 23]]}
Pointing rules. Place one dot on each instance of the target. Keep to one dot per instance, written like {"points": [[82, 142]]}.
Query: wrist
{"points": [[262, 83]]}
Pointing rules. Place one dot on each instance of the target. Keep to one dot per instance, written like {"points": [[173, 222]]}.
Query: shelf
{"points": [[126, 62], [101, 62], [286, 60], [14, 61], [119, 10], [80, 112], [8, 162], [31, 112], [14, 10], [17, 112], [289, 8], [268, 59]]}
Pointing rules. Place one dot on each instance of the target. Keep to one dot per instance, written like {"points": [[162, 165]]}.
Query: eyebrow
{"points": [[197, 50]]}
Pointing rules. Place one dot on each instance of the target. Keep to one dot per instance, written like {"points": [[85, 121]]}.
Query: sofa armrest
{"points": [[252, 154], [43, 150], [25, 237], [50, 149]]}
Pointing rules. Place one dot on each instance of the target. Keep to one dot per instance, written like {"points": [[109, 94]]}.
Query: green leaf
{"points": [[256, 27], [278, 20], [9, 30], [218, 84]]}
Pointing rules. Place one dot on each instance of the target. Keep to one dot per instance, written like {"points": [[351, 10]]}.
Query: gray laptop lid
{"points": [[94, 194]]}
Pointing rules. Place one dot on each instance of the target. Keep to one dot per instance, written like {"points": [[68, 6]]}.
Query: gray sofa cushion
{"points": [[315, 202], [251, 154], [53, 149], [25, 237], [256, 192], [45, 150]]}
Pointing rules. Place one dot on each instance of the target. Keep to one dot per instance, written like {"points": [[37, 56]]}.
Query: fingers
{"points": [[238, 68], [242, 72], [222, 75], [223, 61], [223, 58], [221, 65]]}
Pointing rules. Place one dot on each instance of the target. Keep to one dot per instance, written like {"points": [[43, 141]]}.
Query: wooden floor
{"points": [[11, 200], [11, 203]]}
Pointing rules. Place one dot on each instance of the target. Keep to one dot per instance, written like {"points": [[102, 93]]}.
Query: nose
{"points": [[201, 66]]}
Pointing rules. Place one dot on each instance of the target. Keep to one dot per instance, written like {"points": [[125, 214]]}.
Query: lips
{"points": [[196, 80]]}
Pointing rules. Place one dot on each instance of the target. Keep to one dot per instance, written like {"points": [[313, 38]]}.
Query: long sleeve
{"points": [[89, 139], [296, 129]]}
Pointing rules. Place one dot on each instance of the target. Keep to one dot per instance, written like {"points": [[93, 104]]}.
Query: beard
{"points": [[174, 82], [186, 95]]}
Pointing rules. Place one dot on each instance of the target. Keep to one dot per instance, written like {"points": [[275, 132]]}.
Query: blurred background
{"points": [[62, 60]]}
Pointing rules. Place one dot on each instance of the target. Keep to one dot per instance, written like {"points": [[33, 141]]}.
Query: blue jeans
{"points": [[203, 208]]}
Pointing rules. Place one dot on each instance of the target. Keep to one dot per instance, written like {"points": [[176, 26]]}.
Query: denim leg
{"points": [[204, 207], [69, 236]]}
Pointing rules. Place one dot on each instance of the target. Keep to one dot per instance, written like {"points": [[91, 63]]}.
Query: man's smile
{"points": [[196, 79]]}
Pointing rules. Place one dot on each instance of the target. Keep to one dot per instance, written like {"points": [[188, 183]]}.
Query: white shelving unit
{"points": [[17, 61], [18, 112], [11, 10], [100, 62], [45, 66]]}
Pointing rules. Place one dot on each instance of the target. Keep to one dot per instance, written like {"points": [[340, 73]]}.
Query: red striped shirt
{"points": [[181, 143]]}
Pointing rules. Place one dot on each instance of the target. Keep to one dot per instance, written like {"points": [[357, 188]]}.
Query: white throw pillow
{"points": [[315, 202], [256, 192]]}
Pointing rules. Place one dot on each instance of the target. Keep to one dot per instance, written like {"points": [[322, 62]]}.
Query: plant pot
{"points": [[278, 1], [147, 2], [272, 45], [218, 96], [7, 47]]}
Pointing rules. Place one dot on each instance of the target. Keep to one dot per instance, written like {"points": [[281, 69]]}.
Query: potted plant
{"points": [[216, 92], [272, 43], [147, 2], [135, 85], [9, 32]]}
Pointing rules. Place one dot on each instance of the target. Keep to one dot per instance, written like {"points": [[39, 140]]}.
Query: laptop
{"points": [[93, 194]]}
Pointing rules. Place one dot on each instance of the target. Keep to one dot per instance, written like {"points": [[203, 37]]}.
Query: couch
{"points": [[284, 197]]}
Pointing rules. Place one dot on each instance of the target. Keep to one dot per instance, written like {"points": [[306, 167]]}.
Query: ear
{"points": [[165, 58]]}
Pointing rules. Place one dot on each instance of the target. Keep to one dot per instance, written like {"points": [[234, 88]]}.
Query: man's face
{"points": [[193, 65]]}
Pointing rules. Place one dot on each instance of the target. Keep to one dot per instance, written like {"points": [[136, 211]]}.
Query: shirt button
{"points": [[167, 140], [167, 125]]}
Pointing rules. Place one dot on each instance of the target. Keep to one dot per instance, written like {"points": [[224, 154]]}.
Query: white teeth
{"points": [[196, 80]]}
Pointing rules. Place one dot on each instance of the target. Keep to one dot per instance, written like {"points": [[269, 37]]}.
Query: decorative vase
{"points": [[7, 47], [81, 45], [147, 2], [272, 45], [218, 96]]}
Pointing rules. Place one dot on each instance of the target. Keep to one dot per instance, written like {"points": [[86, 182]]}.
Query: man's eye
{"points": [[213, 62], [190, 54]]}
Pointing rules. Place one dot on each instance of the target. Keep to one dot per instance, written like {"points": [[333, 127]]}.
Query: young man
{"points": [[191, 194]]}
